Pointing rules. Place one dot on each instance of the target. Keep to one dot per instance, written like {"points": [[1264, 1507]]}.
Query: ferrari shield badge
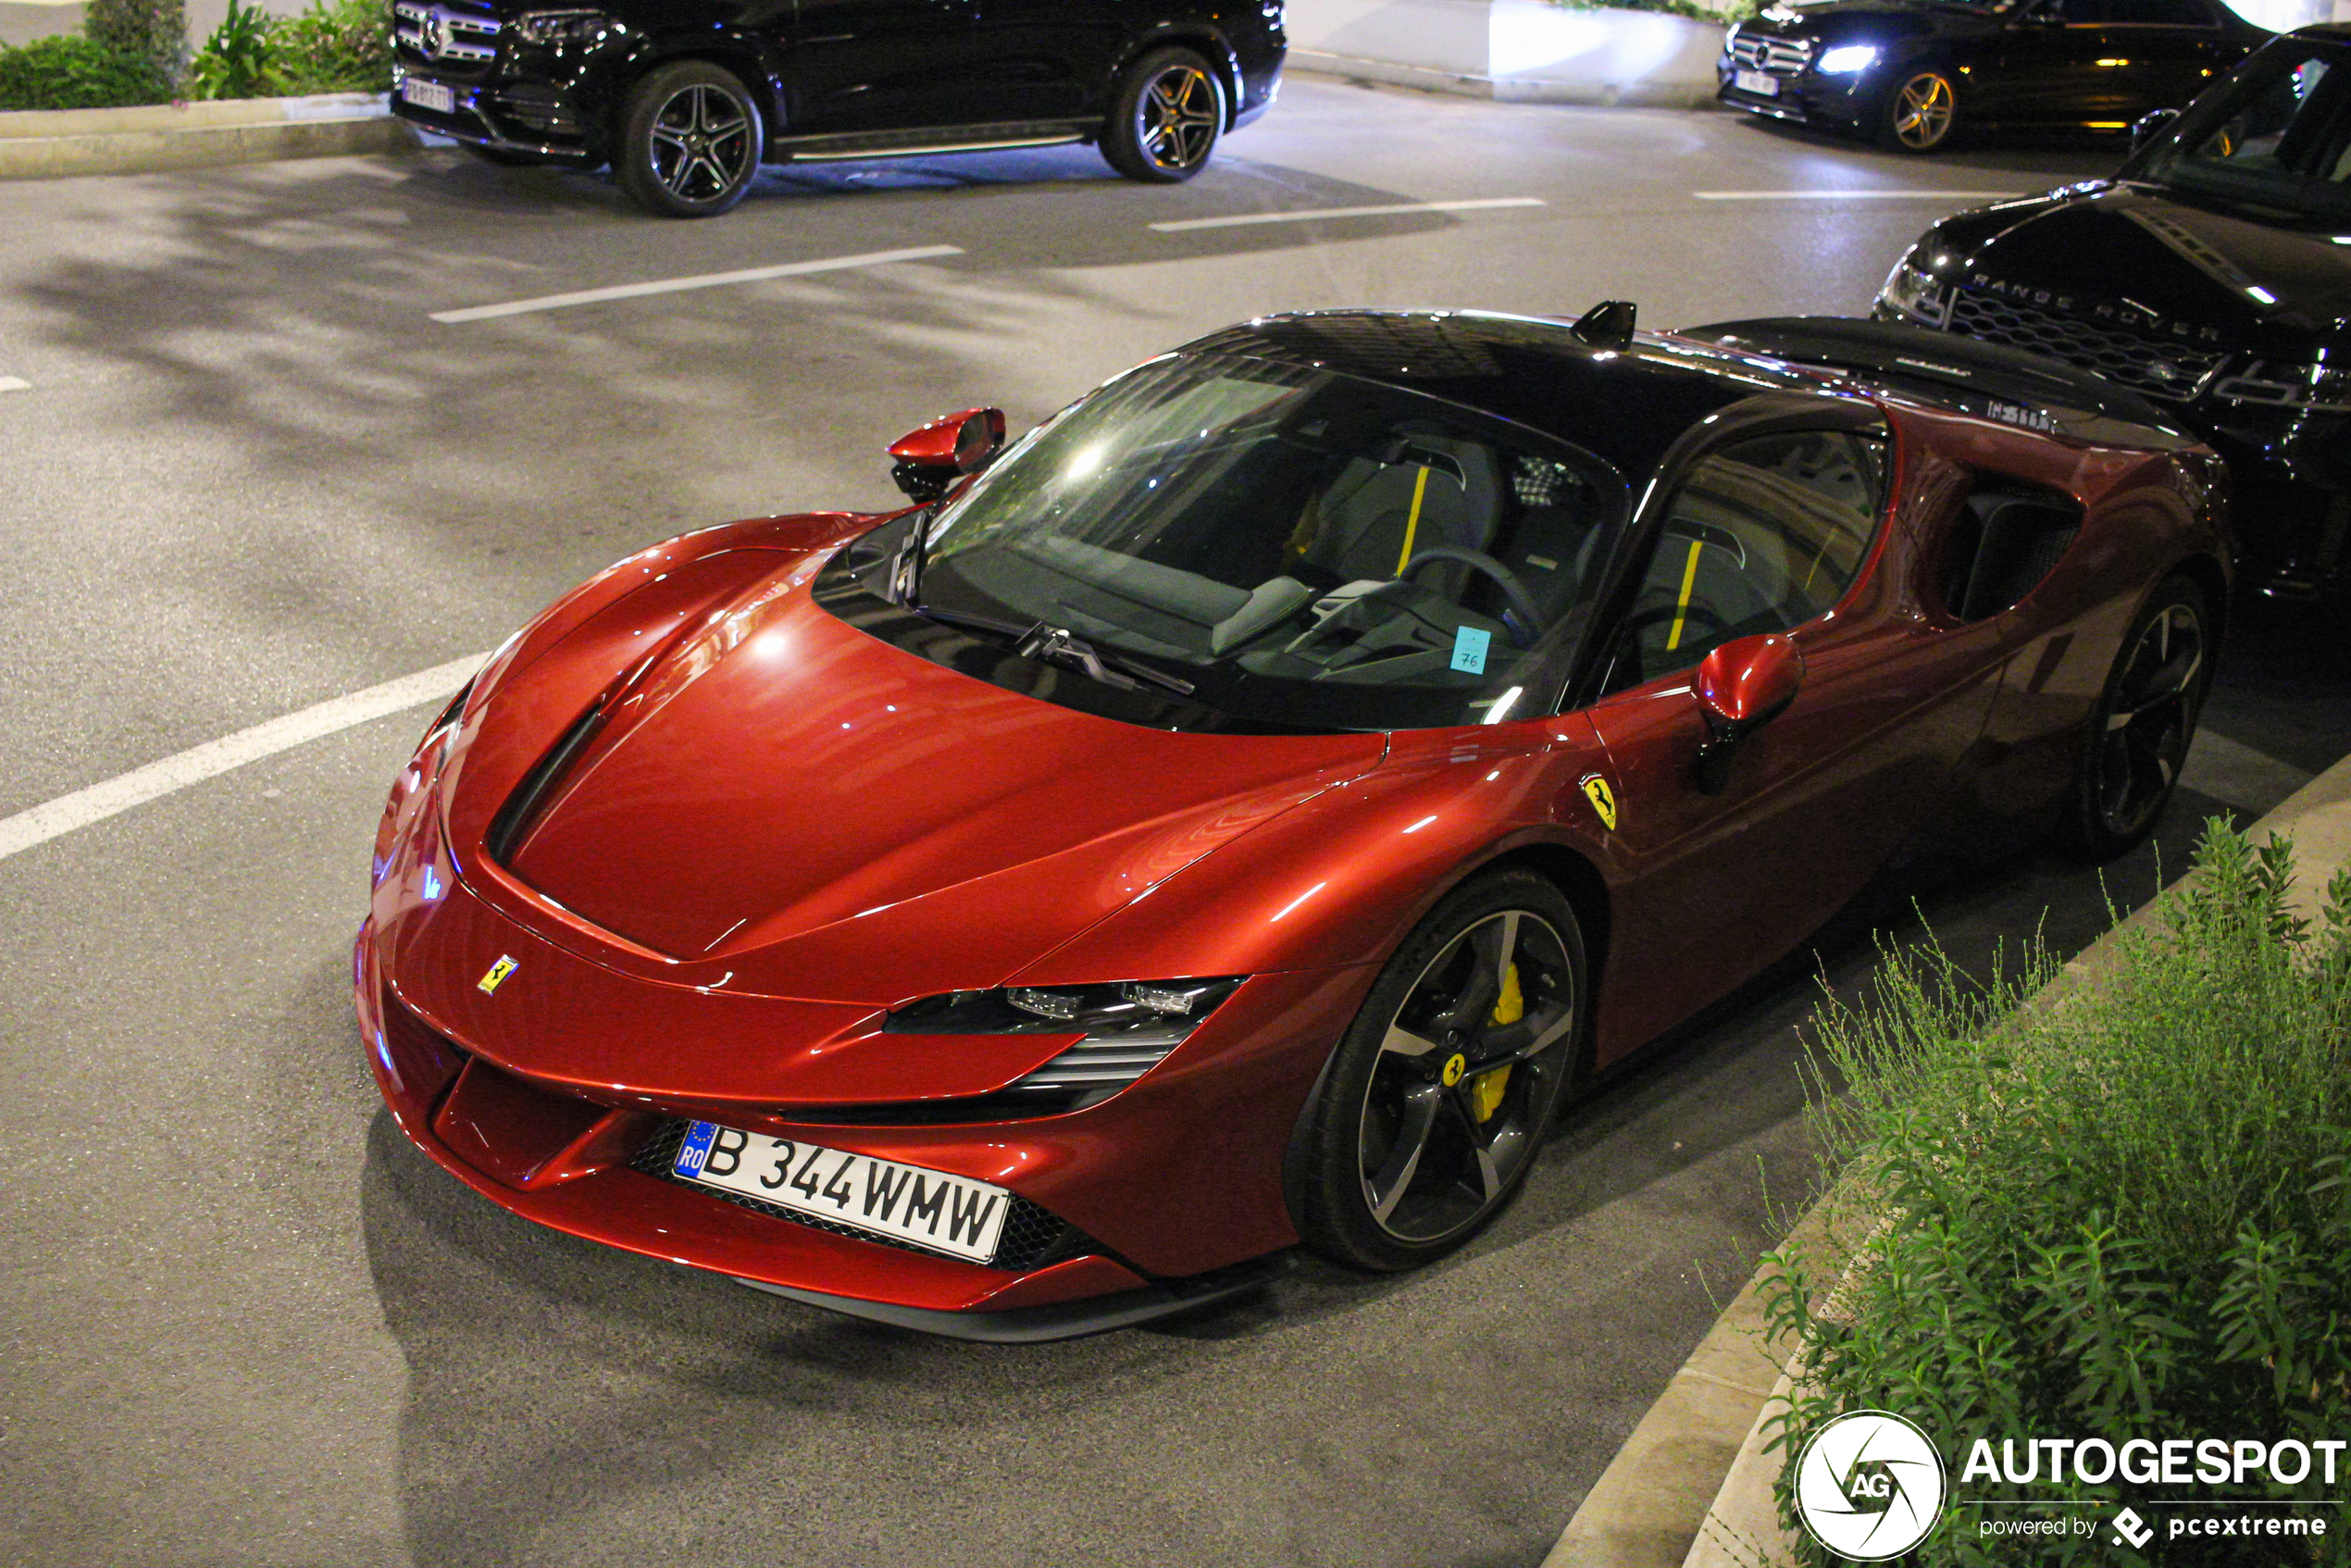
{"points": [[497, 976], [1596, 790]]}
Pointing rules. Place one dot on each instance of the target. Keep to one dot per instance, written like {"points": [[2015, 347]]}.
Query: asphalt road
{"points": [[245, 1324]]}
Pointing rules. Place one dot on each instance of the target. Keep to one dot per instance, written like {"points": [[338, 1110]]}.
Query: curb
{"points": [[54, 144], [1692, 1485]]}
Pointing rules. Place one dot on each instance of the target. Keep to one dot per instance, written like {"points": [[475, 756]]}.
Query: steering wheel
{"points": [[1512, 589]]}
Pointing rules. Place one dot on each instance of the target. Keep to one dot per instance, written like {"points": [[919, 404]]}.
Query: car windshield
{"points": [[1301, 547], [2278, 138]]}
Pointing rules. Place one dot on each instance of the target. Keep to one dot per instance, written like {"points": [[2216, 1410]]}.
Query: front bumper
{"points": [[555, 120], [1842, 104], [1160, 1199]]}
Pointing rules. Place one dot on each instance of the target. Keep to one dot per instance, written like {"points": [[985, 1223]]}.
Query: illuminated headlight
{"points": [[1914, 292], [1128, 1028], [561, 27], [2322, 388], [1847, 58]]}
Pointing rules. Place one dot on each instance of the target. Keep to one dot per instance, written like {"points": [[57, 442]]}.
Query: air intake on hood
{"points": [[514, 819]]}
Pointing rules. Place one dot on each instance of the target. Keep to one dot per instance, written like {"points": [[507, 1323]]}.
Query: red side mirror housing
{"points": [[929, 460], [1742, 686]]}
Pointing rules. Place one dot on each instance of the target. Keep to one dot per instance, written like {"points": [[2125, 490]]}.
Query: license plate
{"points": [[1756, 81], [905, 1202], [430, 96]]}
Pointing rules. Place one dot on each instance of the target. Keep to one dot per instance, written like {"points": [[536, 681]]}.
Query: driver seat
{"points": [[1369, 526]]}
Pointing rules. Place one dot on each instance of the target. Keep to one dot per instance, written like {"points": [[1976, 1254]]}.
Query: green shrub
{"points": [[239, 60], [2124, 1214], [74, 72], [345, 47], [157, 29]]}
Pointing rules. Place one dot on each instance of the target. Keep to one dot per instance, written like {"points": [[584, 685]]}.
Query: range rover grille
{"points": [[2172, 371], [1780, 56], [438, 32], [1033, 1235]]}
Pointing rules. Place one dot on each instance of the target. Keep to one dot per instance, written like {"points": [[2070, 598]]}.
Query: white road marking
{"points": [[14, 383], [40, 824], [707, 280], [1857, 195], [1317, 214], [2236, 775]]}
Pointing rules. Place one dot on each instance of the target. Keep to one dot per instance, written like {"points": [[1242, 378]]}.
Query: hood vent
{"points": [[509, 828]]}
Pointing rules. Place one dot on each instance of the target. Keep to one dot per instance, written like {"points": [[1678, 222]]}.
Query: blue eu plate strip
{"points": [[1469, 650], [696, 1149]]}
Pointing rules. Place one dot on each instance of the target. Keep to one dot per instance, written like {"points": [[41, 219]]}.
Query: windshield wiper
{"points": [[1058, 645]]}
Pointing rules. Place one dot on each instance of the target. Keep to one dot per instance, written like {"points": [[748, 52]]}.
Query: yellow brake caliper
{"points": [[1485, 1095]]}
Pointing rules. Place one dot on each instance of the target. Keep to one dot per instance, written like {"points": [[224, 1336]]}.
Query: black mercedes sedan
{"points": [[1913, 74], [2213, 275], [687, 98]]}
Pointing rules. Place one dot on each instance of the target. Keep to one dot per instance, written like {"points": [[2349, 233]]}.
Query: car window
{"points": [[1302, 547], [2279, 138], [2161, 13], [2078, 13], [1760, 535]]}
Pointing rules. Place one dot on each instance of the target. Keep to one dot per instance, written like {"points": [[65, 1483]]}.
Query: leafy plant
{"points": [[157, 29], [75, 72], [2120, 1211], [239, 60], [340, 47]]}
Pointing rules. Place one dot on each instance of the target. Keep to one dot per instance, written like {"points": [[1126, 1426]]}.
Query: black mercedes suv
{"points": [[1915, 74], [2213, 275], [686, 98]]}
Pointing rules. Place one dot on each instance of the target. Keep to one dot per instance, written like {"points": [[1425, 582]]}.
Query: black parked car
{"points": [[2213, 274], [1912, 74], [686, 98]]}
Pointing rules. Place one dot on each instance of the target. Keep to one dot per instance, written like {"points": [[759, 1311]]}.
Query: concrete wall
{"points": [[1524, 50]]}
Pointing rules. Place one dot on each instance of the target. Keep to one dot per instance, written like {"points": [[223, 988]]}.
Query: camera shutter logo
{"points": [[1869, 1486]]}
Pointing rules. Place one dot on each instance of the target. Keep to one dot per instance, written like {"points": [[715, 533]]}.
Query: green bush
{"points": [[239, 60], [2124, 1212], [345, 47], [75, 72], [157, 29]]}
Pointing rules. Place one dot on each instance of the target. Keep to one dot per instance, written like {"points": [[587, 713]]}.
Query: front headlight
{"points": [[1127, 1027], [1847, 58], [2322, 388], [561, 27], [1912, 291]]}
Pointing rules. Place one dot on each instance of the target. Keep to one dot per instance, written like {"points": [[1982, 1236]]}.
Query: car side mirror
{"points": [[2150, 125], [928, 462], [1742, 686]]}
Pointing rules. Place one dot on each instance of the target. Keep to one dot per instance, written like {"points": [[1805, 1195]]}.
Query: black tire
{"points": [[2138, 734], [690, 140], [1922, 114], [504, 159], [1164, 118], [1399, 1168]]}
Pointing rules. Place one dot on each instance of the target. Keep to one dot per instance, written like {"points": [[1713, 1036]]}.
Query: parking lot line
{"points": [[704, 280], [1857, 195], [40, 824], [14, 383], [1396, 209]]}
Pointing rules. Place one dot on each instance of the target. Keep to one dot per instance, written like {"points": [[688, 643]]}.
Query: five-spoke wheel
{"points": [[2139, 731], [1165, 117], [1437, 1099], [1923, 112], [691, 141]]}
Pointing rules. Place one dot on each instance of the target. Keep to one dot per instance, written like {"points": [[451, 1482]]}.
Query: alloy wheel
{"points": [[2148, 722], [1467, 1071], [1177, 117], [702, 143], [1923, 111]]}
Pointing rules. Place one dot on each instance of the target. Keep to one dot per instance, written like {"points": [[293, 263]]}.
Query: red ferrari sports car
{"points": [[1242, 812]]}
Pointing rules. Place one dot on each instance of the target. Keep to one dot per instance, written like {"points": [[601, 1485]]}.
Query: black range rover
{"points": [[1915, 74], [2212, 274], [686, 98]]}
